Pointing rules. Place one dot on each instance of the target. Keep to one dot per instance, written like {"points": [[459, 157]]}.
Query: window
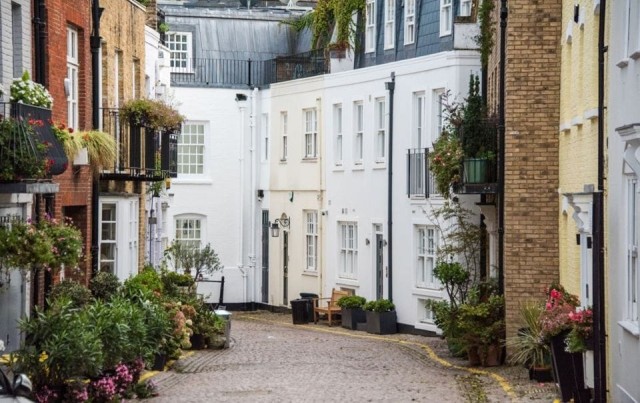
{"points": [[108, 229], [311, 218], [438, 112], [445, 17], [465, 8], [283, 127], [427, 246], [133, 237], [16, 40], [189, 232], [389, 23], [191, 149], [265, 136], [425, 314], [380, 124], [72, 78], [135, 81], [179, 44], [419, 121], [310, 134], [410, 22], [117, 75], [337, 132], [370, 31], [632, 253], [348, 259], [358, 146]]}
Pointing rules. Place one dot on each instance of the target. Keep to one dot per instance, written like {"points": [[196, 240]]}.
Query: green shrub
{"points": [[351, 302], [104, 285], [145, 285], [381, 305], [78, 294]]}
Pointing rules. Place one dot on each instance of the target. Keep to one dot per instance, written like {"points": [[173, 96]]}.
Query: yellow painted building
{"points": [[578, 142]]}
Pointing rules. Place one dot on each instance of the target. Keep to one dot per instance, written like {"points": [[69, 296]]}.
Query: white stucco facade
{"points": [[623, 131], [357, 182]]}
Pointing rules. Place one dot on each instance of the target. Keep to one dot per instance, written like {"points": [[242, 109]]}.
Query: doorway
{"points": [[285, 269]]}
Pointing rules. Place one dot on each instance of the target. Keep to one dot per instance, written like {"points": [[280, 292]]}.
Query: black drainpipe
{"points": [[390, 86], [501, 140], [95, 87], [599, 289], [39, 40]]}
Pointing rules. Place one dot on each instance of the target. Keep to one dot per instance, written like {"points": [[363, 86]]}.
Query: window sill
{"points": [[191, 181], [380, 165], [310, 273], [443, 34], [358, 166], [631, 327], [283, 160], [427, 292], [352, 282], [338, 168], [310, 159], [623, 63]]}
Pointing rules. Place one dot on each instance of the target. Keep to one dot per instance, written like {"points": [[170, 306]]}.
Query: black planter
{"points": [[382, 322], [197, 341], [351, 317], [541, 374], [568, 370], [159, 361]]}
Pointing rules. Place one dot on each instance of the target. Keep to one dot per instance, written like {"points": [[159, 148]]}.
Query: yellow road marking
{"points": [[502, 381]]}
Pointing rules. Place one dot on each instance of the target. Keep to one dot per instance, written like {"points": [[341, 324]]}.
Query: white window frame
{"points": [[465, 8], [311, 233], [426, 249], [446, 17], [284, 123], [124, 221], [191, 154], [380, 120], [109, 264], [633, 226], [348, 250], [73, 67], [310, 133], [418, 137], [370, 29], [188, 230], [337, 134], [389, 23], [134, 230], [265, 137], [438, 113], [180, 46], [358, 132], [409, 22]]}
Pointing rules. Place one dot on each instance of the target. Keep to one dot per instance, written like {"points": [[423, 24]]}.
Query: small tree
{"points": [[190, 257]]}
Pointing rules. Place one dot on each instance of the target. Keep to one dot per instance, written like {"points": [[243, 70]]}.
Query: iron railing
{"points": [[419, 180], [202, 72], [142, 154]]}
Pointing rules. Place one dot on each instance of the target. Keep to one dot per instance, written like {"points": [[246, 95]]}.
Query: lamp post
{"points": [[282, 222]]}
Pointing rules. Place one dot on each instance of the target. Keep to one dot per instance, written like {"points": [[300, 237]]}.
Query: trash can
{"points": [[308, 297], [299, 312], [226, 315]]}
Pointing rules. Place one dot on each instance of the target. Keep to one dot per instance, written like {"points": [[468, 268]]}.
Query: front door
{"points": [[379, 267], [285, 269], [265, 256]]}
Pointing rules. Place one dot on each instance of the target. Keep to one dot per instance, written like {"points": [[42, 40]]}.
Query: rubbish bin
{"points": [[226, 315], [299, 312], [308, 297]]}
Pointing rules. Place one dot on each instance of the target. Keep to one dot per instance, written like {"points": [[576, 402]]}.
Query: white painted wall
{"points": [[224, 196], [359, 193], [622, 109]]}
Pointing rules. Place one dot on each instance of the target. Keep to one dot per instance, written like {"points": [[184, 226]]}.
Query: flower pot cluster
{"points": [[91, 344], [376, 317]]}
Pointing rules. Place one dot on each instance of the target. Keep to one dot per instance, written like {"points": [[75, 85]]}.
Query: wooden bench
{"points": [[331, 309]]}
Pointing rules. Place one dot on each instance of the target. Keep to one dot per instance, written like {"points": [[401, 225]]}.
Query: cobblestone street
{"points": [[272, 360]]}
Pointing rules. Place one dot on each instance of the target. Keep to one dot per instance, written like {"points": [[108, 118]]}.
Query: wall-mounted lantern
{"points": [[282, 222]]}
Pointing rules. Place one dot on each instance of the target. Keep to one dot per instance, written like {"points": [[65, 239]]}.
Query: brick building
{"points": [[532, 105]]}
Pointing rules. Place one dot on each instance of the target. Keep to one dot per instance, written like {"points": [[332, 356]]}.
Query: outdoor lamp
{"points": [[282, 222]]}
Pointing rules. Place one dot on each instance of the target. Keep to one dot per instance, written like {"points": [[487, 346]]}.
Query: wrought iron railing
{"points": [[142, 154], [203, 72], [419, 180]]}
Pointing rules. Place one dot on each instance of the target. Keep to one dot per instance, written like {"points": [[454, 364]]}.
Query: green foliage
{"points": [[163, 27], [145, 285], [455, 280], [445, 161], [153, 114], [446, 318], [22, 154], [104, 285], [78, 294], [24, 246], [481, 321], [189, 257], [485, 38], [478, 132], [381, 305], [351, 302], [529, 347], [66, 241]]}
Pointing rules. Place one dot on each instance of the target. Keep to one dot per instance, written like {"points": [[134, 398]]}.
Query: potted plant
{"points": [[352, 313], [528, 347], [381, 317], [482, 327]]}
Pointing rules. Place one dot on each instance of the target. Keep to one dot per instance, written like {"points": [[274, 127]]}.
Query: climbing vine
{"points": [[485, 39]]}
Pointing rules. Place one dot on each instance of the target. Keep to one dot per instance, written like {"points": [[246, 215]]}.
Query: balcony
{"points": [[479, 166], [142, 154], [223, 73], [29, 151], [420, 181]]}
